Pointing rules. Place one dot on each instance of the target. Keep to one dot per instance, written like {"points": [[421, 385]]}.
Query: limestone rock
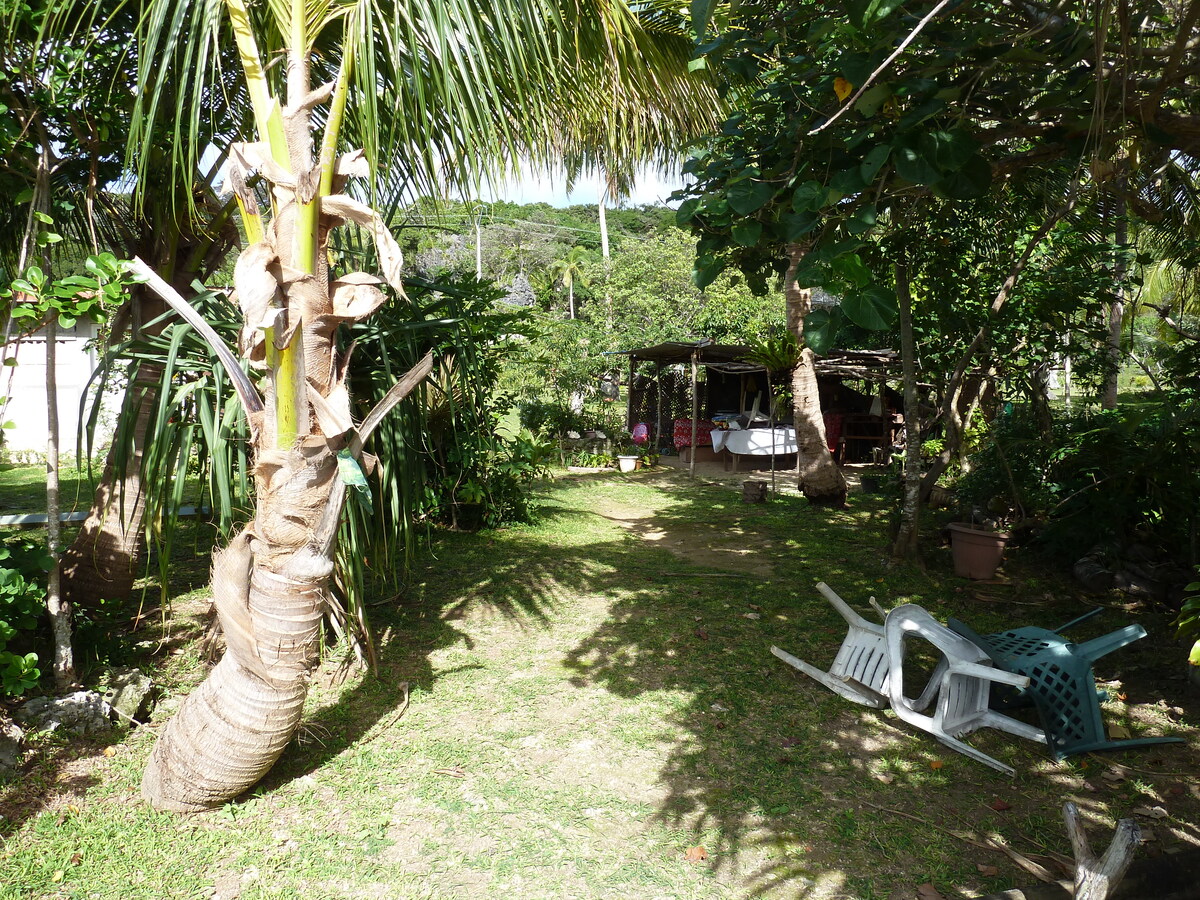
{"points": [[129, 694], [12, 740], [83, 712]]}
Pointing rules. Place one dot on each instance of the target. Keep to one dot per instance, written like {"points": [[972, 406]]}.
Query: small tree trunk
{"points": [[58, 608], [820, 478], [1039, 400], [960, 391], [1116, 309], [906, 543]]}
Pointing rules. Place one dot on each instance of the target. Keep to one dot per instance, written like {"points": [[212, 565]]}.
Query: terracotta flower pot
{"points": [[977, 553]]}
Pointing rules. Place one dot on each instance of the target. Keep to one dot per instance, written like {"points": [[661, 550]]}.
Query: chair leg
{"points": [[1102, 646], [1014, 726], [853, 691], [977, 755]]}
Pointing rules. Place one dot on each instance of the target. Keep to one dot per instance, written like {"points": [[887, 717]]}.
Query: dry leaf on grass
{"points": [[885, 778], [1152, 812], [928, 892], [1113, 775], [695, 854], [1119, 732], [110, 751], [452, 771], [987, 871], [751, 616], [936, 764], [999, 805]]}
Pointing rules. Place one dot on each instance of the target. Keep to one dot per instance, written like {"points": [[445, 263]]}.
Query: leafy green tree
{"points": [[853, 124]]}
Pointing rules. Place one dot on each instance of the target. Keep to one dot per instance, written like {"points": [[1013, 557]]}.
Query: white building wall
{"points": [[25, 387]]}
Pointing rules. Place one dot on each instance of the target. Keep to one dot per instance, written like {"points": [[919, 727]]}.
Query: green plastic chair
{"points": [[1061, 683]]}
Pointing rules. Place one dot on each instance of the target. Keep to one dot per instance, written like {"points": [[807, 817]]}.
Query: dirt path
{"points": [[720, 547]]}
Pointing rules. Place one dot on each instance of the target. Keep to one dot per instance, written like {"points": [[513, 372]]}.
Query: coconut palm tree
{"points": [[572, 270], [448, 88]]}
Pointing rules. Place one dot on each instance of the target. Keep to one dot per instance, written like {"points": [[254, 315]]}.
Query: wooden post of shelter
{"points": [[695, 414], [658, 444], [771, 422], [629, 423]]}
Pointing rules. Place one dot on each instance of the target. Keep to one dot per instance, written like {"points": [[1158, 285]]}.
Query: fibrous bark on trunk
{"points": [[820, 478], [270, 588]]}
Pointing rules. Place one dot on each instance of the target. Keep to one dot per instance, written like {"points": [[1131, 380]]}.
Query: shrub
{"points": [[20, 610], [1103, 476]]}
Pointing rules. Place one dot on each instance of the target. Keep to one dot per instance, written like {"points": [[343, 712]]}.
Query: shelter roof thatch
{"points": [[871, 365]]}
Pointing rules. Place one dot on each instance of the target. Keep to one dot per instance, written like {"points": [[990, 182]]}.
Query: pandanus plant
{"points": [[454, 82]]}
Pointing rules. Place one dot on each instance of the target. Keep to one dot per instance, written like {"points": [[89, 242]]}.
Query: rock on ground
{"points": [[83, 712]]}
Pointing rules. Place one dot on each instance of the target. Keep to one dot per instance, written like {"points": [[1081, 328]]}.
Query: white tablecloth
{"points": [[756, 441]]}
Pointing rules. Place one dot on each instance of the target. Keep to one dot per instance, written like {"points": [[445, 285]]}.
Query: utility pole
{"points": [[479, 211]]}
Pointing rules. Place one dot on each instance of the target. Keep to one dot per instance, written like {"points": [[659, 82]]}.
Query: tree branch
{"points": [[912, 36], [327, 527]]}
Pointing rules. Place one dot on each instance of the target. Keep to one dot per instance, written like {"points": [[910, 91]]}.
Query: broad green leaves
{"points": [[821, 328], [34, 297], [873, 307], [947, 161], [748, 195]]}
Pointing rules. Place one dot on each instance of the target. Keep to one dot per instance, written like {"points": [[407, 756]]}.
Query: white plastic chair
{"points": [[962, 680], [860, 670]]}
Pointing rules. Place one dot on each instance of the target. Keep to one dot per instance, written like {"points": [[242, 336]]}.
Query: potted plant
{"points": [[976, 551], [629, 456]]}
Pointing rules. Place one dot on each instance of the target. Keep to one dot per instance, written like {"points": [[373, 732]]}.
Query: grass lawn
{"points": [[566, 709]]}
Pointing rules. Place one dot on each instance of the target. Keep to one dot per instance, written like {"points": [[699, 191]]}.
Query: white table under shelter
{"points": [[778, 441]]}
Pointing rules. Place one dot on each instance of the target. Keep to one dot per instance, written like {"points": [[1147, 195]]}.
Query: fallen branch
{"points": [[1189, 776], [989, 843], [1096, 878]]}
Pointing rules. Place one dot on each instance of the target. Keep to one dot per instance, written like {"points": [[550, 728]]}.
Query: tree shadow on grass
{"points": [[792, 789], [57, 770], [463, 576]]}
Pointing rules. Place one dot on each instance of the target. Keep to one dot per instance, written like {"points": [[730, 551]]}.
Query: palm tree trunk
{"points": [[271, 585], [270, 588], [102, 561], [820, 478]]}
